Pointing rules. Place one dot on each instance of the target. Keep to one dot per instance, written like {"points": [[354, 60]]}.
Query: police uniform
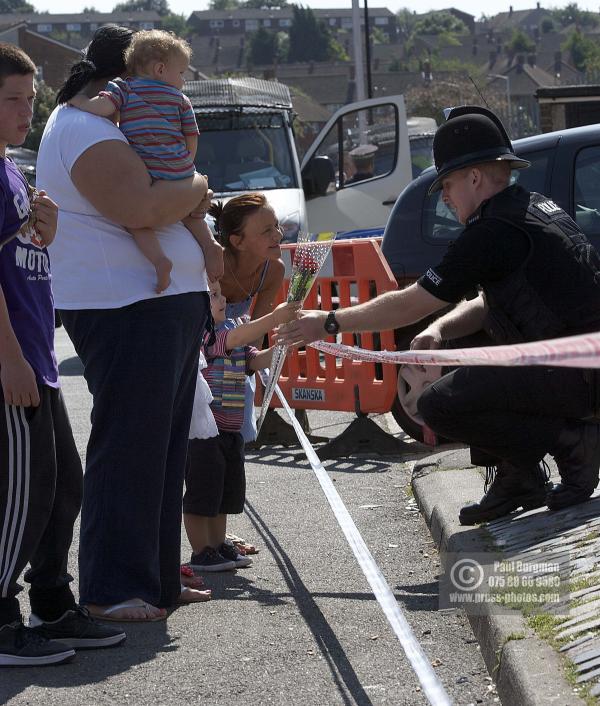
{"points": [[363, 158], [540, 279]]}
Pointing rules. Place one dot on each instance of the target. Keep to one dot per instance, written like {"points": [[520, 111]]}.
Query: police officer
{"points": [[363, 158], [522, 271]]}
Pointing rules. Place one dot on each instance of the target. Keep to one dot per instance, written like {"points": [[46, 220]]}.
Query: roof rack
{"points": [[238, 93]]}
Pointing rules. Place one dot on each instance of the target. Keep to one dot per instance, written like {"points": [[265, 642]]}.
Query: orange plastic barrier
{"points": [[354, 272]]}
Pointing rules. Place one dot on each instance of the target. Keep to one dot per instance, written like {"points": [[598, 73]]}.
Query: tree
{"points": [[429, 100], [584, 52], [547, 26], [571, 14], [406, 21], [310, 39], [263, 48], [439, 23], [160, 6], [89, 10], [176, 24], [45, 100], [520, 42], [223, 4], [8, 6], [270, 4]]}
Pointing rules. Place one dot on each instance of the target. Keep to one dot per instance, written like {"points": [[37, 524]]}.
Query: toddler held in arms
{"points": [[158, 121]]}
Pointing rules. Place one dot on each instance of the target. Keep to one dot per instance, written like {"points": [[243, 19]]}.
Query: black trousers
{"points": [[140, 364], [40, 497], [514, 414]]}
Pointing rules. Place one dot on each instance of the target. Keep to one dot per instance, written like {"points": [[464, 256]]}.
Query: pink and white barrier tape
{"points": [[572, 352]]}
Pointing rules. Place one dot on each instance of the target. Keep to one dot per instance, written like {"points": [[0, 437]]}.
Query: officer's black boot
{"points": [[577, 455], [512, 488]]}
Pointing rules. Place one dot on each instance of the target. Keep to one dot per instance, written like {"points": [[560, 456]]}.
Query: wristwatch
{"points": [[331, 324]]}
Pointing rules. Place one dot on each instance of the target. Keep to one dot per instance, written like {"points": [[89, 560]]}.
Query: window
{"points": [[235, 23], [74, 27], [381, 21], [586, 191], [346, 22], [216, 24], [44, 28], [251, 25], [245, 152], [146, 25], [332, 22], [362, 145], [285, 23], [266, 23]]}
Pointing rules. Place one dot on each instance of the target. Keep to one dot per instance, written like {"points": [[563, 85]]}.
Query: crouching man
{"points": [[522, 271]]}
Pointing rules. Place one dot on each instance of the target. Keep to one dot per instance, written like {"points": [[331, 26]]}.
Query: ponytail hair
{"points": [[230, 218], [104, 58]]}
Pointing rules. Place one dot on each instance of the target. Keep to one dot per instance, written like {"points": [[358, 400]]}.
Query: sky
{"points": [[473, 7]]}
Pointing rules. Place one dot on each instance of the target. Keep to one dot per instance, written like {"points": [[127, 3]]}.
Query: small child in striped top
{"points": [[215, 475], [158, 121]]}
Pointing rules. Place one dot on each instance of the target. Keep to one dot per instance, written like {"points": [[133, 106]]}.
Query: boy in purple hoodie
{"points": [[40, 469]]}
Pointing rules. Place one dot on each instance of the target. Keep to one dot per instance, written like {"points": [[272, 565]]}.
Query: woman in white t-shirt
{"points": [[139, 352]]}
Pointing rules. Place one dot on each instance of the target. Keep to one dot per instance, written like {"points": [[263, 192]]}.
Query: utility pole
{"points": [[359, 79], [368, 51]]}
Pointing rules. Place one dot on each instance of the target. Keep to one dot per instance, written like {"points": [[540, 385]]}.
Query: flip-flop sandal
{"points": [[241, 544], [107, 613], [199, 597], [189, 578]]}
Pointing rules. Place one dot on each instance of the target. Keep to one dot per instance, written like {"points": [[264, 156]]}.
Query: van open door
{"points": [[357, 166]]}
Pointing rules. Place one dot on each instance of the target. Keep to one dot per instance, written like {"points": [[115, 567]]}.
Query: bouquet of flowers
{"points": [[311, 253]]}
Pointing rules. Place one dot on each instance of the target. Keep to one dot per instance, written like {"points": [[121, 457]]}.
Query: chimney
{"points": [[538, 5], [510, 11], [557, 62], [520, 63], [531, 59]]}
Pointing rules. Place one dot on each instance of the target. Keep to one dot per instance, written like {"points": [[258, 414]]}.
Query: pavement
{"points": [[545, 649], [300, 626]]}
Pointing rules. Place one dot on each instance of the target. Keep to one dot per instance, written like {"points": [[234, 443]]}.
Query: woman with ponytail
{"points": [[249, 232], [139, 351]]}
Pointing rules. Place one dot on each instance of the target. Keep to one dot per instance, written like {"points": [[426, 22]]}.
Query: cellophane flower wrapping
{"points": [[311, 253]]}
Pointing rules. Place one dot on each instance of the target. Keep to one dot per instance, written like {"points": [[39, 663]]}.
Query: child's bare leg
{"points": [[198, 531], [217, 529], [147, 241], [213, 252]]}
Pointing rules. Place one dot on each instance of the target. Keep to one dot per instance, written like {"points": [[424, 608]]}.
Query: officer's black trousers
{"points": [[514, 414]]}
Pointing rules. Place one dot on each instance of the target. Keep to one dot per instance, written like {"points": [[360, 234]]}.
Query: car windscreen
{"points": [[245, 152]]}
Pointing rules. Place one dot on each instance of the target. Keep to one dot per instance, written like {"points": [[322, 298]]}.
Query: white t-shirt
{"points": [[95, 262]]}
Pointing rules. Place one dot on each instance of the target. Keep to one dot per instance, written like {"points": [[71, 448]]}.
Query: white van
{"points": [[247, 144]]}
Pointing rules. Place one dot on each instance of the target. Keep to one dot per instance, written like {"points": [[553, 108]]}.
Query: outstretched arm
{"points": [[247, 333], [387, 311]]}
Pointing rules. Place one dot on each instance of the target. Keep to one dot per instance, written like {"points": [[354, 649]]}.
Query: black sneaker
{"points": [[210, 559], [76, 628], [22, 647], [228, 551]]}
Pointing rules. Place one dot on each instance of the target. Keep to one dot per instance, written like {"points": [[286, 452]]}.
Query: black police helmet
{"points": [[471, 135]]}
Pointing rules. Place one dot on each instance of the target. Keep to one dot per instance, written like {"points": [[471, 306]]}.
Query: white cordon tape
{"points": [[572, 352], [431, 685]]}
